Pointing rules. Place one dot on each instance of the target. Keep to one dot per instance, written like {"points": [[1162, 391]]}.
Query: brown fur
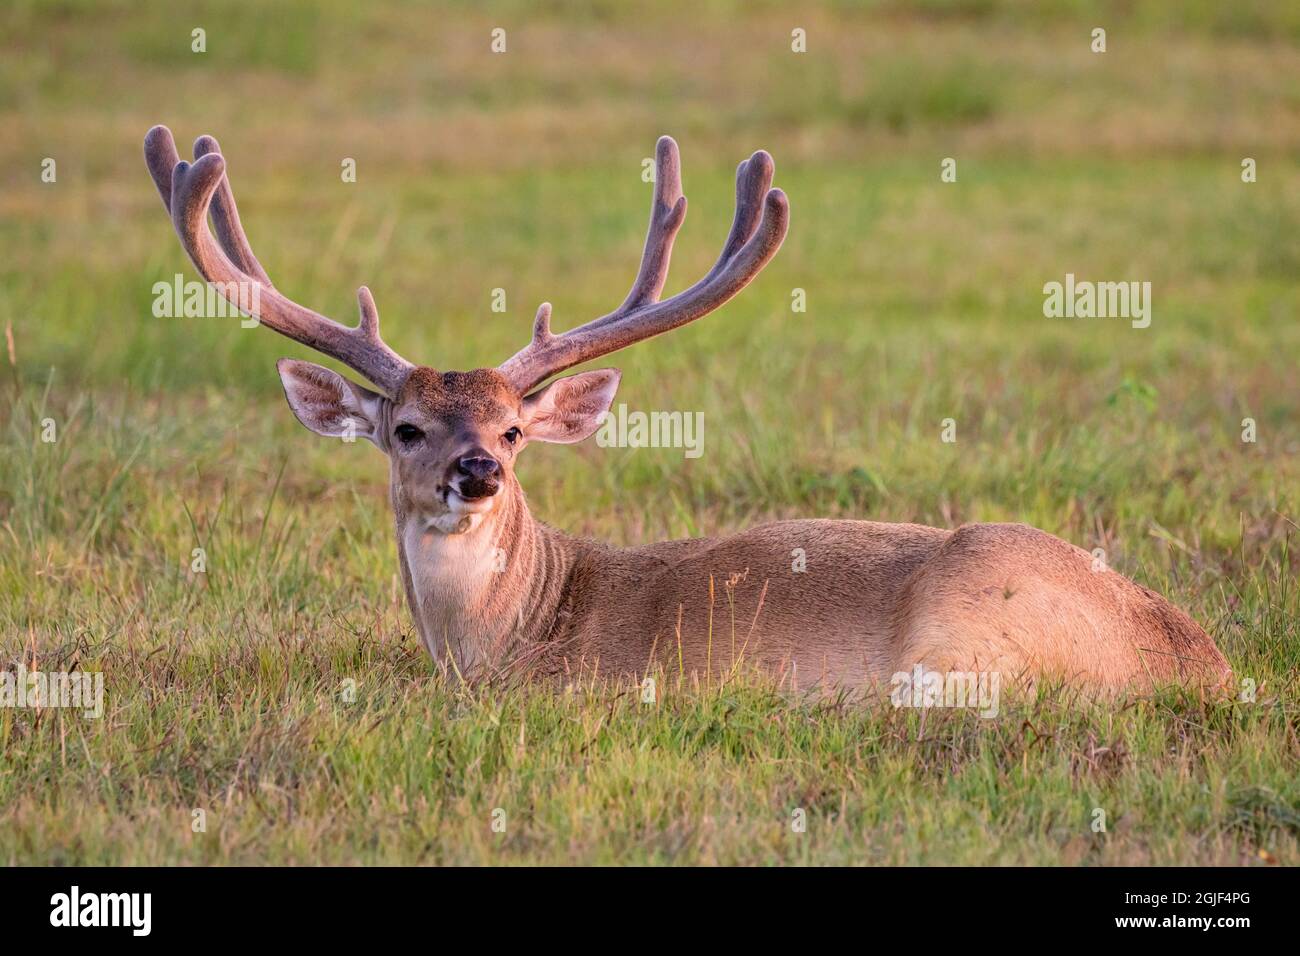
{"points": [[877, 599], [820, 602]]}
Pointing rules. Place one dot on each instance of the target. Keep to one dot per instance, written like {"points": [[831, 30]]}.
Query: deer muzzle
{"points": [[478, 475]]}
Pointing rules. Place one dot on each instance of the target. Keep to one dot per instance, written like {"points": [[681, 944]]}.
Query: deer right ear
{"points": [[328, 403]]}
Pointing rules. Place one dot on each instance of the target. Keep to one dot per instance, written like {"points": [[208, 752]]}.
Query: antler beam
{"points": [[190, 191], [761, 221]]}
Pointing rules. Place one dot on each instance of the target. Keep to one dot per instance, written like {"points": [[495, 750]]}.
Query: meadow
{"points": [[281, 698]]}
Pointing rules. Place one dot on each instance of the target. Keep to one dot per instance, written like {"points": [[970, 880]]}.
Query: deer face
{"points": [[452, 437]]}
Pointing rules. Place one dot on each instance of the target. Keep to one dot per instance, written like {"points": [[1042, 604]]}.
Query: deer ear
{"points": [[328, 403], [571, 408]]}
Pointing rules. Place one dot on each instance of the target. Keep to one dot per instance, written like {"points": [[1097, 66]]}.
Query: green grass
{"points": [[224, 689]]}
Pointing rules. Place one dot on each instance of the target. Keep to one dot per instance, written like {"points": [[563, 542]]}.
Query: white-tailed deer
{"points": [[840, 603]]}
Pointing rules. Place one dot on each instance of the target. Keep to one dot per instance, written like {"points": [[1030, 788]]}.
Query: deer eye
{"points": [[511, 436], [407, 433]]}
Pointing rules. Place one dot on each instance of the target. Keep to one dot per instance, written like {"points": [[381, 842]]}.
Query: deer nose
{"points": [[479, 475], [479, 465]]}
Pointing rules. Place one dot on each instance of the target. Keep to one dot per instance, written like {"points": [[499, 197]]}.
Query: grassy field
{"points": [[521, 171]]}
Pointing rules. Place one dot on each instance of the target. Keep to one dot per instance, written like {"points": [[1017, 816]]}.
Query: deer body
{"points": [[837, 604], [871, 600]]}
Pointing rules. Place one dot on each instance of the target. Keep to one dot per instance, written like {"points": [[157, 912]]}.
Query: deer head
{"points": [[452, 437]]}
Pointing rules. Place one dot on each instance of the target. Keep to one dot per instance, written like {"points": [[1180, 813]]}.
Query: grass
{"points": [[225, 689]]}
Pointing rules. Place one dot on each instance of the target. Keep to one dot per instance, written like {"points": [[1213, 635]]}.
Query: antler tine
{"points": [[757, 231], [753, 180], [225, 217], [161, 157], [188, 192], [667, 212]]}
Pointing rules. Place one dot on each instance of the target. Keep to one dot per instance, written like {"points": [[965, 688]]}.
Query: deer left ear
{"points": [[570, 409], [328, 403]]}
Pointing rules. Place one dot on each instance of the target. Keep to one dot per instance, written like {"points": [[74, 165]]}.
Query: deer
{"points": [[828, 603]]}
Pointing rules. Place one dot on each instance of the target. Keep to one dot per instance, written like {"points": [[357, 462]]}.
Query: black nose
{"points": [[479, 466]]}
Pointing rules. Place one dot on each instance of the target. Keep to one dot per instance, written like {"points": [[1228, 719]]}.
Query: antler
{"points": [[188, 190], [762, 218]]}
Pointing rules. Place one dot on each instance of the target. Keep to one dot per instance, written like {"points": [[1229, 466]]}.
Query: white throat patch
{"points": [[454, 523]]}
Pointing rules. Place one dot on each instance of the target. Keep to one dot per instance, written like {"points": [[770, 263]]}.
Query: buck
{"points": [[830, 603]]}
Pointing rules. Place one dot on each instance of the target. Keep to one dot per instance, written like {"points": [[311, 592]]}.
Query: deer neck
{"points": [[483, 590]]}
